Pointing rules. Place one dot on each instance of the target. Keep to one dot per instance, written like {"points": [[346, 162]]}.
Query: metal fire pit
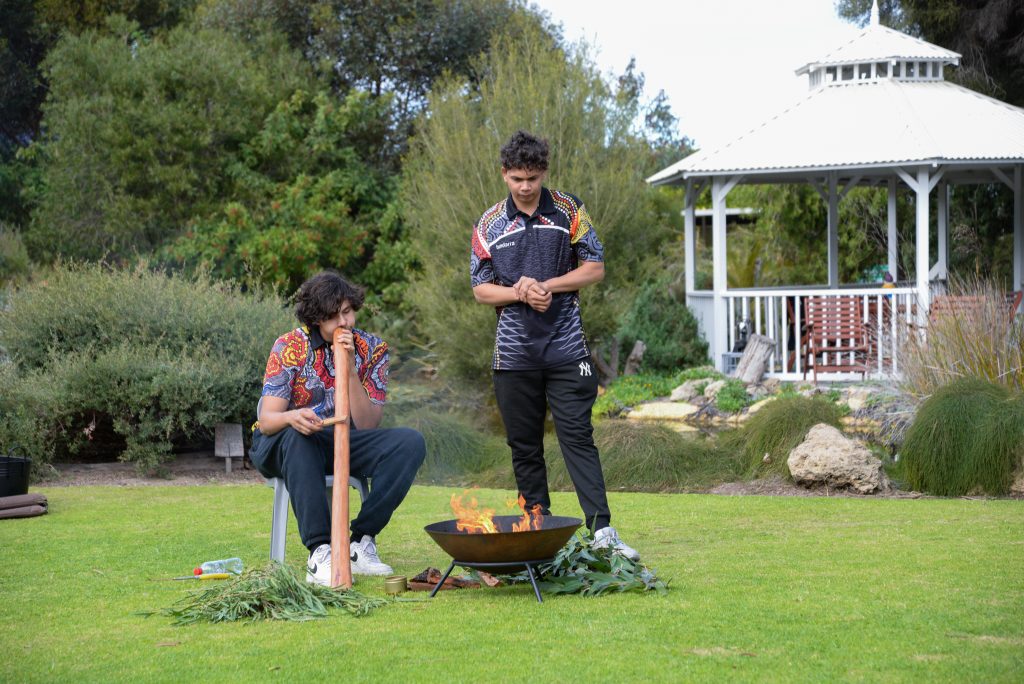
{"points": [[503, 552]]}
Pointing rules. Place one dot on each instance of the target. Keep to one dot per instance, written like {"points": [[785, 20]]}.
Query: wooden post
{"points": [[341, 564]]}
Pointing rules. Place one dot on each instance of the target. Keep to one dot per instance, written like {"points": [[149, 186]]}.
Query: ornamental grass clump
{"points": [[980, 339], [968, 437], [273, 592], [650, 457], [456, 447], [765, 440]]}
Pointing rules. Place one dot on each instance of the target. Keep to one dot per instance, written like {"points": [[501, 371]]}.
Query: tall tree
{"points": [[140, 134], [452, 174]]}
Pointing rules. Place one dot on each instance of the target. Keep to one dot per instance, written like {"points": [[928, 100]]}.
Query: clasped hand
{"points": [[533, 292]]}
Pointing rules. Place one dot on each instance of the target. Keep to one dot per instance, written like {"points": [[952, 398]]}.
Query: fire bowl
{"points": [[512, 548]]}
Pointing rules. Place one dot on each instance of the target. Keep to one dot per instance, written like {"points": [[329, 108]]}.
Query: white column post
{"points": [[833, 231], [894, 258], [942, 210], [690, 243], [1018, 228], [921, 247], [719, 254]]}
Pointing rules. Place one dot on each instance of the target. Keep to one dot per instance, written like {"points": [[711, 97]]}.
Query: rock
{"points": [[1017, 488], [663, 410], [688, 390], [857, 398], [712, 390], [754, 408], [828, 457], [771, 385]]}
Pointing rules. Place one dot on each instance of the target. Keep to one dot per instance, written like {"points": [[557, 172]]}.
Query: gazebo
{"points": [[878, 113]]}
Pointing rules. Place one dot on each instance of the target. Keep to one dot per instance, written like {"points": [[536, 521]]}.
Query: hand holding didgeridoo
{"points": [[341, 567]]}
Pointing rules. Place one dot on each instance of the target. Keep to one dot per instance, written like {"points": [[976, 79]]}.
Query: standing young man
{"points": [[531, 254], [290, 441]]}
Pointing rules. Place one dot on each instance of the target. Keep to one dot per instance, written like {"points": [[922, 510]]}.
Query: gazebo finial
{"points": [[874, 13]]}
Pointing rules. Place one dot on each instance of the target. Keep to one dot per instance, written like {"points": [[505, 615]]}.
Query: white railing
{"points": [[778, 314]]}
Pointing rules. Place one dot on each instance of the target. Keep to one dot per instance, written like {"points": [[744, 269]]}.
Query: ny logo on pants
{"points": [[584, 368]]}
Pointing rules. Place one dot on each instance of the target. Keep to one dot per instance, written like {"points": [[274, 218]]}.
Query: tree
{"points": [[987, 33], [452, 174], [141, 135], [302, 198]]}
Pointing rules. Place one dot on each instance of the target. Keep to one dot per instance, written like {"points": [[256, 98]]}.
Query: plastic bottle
{"points": [[231, 565]]}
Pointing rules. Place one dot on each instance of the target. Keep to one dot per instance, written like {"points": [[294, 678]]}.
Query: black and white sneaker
{"points": [[318, 567], [365, 560]]}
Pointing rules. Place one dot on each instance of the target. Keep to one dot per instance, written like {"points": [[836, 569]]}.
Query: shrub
{"points": [[776, 430], [158, 358], [630, 390], [649, 457], [456, 448], [14, 263], [698, 373], [979, 342], [732, 397], [661, 319], [967, 437]]}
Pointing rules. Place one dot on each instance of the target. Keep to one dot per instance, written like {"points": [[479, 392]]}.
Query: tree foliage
{"points": [[986, 33], [140, 133], [452, 175], [303, 196]]}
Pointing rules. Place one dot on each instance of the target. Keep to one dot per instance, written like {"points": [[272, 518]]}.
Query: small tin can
{"points": [[395, 584]]}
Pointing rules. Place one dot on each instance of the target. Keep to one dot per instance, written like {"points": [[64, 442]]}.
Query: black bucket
{"points": [[14, 475]]}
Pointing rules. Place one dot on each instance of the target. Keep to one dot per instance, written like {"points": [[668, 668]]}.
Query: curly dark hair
{"points": [[525, 151], [321, 297]]}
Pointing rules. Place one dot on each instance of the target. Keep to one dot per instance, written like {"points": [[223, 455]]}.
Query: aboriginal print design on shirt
{"points": [[301, 370], [506, 245]]}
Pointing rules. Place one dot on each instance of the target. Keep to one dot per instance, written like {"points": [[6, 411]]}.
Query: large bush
{"points": [[659, 317], [154, 357], [967, 437]]}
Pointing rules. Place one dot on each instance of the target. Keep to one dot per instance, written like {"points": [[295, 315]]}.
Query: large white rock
{"points": [[712, 390], [663, 410], [688, 390], [828, 457]]}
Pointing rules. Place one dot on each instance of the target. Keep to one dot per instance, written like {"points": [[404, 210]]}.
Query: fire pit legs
{"points": [[503, 568]]}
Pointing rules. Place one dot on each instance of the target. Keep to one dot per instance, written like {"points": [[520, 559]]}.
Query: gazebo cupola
{"points": [[879, 53]]}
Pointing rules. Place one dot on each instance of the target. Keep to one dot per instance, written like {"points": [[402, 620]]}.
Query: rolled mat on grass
{"points": [[22, 506]]}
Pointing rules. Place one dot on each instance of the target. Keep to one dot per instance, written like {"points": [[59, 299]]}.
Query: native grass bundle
{"points": [[273, 592], [579, 568]]}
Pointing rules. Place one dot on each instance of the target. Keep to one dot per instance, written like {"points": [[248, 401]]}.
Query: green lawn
{"points": [[789, 589]]}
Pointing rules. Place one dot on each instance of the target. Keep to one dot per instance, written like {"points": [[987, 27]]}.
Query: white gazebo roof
{"points": [[879, 123], [880, 42]]}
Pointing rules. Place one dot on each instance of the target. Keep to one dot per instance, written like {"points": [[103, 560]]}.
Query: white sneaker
{"points": [[318, 567], [365, 560], [608, 537]]}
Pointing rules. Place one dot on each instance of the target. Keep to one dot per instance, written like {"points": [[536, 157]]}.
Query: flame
{"points": [[470, 518], [531, 519]]}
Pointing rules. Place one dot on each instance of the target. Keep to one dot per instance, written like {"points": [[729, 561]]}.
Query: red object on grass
{"points": [[197, 571]]}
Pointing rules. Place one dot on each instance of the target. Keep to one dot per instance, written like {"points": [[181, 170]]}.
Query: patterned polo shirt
{"points": [[508, 244], [301, 369]]}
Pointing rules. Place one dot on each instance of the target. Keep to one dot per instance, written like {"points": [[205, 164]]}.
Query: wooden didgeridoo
{"points": [[341, 564]]}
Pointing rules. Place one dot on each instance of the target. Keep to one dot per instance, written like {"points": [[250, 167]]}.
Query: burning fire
{"points": [[470, 519], [474, 520], [531, 519]]}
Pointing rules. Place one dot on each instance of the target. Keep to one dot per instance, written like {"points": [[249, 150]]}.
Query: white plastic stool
{"points": [[279, 522]]}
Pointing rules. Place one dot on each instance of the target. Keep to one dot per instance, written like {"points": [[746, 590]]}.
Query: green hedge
{"points": [[160, 359]]}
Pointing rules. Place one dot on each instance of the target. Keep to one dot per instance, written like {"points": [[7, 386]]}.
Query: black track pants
{"points": [[523, 399], [389, 457]]}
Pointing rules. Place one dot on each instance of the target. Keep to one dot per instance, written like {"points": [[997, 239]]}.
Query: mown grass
{"points": [[778, 589]]}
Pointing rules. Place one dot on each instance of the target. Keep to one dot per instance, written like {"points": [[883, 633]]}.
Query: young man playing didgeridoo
{"points": [[290, 440]]}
